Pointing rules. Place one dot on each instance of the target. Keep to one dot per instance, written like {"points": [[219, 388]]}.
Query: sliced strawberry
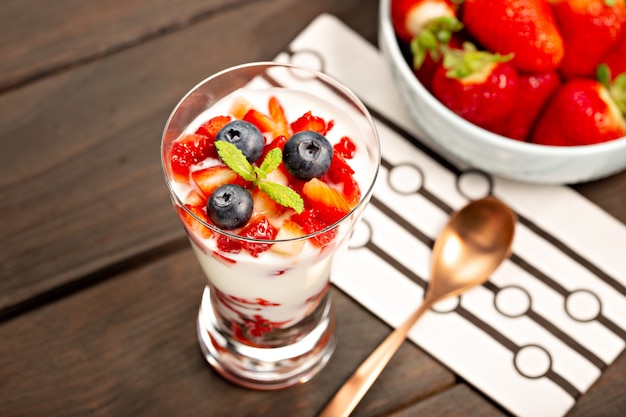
{"points": [[590, 28], [525, 28], [581, 113], [478, 86], [310, 122], [289, 231], [259, 228], [278, 142], [196, 198], [266, 206], [311, 222], [341, 173], [321, 196], [260, 120], [208, 179], [277, 113], [240, 107], [186, 151], [345, 147], [339, 170], [213, 126], [195, 227], [228, 245]]}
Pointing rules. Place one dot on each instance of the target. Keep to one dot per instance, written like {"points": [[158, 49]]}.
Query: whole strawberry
{"points": [[525, 28], [409, 17], [479, 86], [615, 59], [590, 28], [535, 89], [584, 112]]}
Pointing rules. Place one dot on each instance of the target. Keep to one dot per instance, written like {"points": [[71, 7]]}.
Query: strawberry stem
{"points": [[433, 38], [462, 63], [616, 88]]}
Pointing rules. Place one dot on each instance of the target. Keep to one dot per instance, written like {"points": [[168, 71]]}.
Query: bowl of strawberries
{"points": [[531, 90]]}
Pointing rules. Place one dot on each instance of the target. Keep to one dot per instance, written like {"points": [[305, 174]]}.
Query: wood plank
{"points": [[39, 36], [609, 193], [606, 397], [127, 347], [80, 177], [459, 400]]}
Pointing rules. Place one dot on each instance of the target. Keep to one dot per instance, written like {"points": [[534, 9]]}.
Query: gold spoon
{"points": [[471, 246]]}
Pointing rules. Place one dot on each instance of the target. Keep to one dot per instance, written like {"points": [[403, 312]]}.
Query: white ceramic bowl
{"points": [[488, 151]]}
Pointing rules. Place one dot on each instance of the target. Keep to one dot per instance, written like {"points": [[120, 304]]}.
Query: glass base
{"points": [[266, 368]]}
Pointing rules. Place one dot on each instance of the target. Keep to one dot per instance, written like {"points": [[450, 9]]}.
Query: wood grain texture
{"points": [[40, 37], [80, 176], [127, 347], [608, 193], [459, 400]]}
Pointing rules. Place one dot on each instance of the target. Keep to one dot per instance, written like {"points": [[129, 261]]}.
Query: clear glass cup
{"points": [[267, 321]]}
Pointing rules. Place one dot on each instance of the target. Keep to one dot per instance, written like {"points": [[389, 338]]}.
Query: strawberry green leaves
{"points": [[435, 35], [616, 88], [235, 160], [469, 60]]}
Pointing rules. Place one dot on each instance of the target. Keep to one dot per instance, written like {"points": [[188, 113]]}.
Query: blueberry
{"points": [[245, 136], [307, 155], [230, 206]]}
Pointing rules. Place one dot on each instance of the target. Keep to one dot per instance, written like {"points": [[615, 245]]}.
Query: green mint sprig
{"points": [[235, 160]]}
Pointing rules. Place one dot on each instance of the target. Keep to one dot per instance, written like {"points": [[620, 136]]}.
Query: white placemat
{"points": [[551, 318]]}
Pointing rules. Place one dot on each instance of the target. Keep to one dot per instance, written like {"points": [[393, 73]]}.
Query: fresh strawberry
{"points": [[213, 126], [310, 122], [260, 120], [240, 107], [424, 68], [590, 28], [228, 245], [265, 206], [260, 228], [479, 86], [277, 113], [323, 197], [196, 198], [189, 150], [615, 59], [535, 89], [410, 17], [289, 231], [583, 112], [208, 179], [278, 142], [525, 28], [312, 222], [342, 174], [345, 147], [275, 122], [191, 222]]}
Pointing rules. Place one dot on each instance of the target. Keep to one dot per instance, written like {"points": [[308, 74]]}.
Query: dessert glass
{"points": [[267, 321]]}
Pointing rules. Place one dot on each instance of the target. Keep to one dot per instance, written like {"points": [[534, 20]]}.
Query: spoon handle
{"points": [[354, 389]]}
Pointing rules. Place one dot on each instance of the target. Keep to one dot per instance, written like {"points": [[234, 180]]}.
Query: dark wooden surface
{"points": [[98, 286]]}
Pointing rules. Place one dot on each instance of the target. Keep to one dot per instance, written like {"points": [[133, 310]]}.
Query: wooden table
{"points": [[99, 289]]}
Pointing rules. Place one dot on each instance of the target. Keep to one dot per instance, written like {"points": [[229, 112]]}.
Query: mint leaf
{"points": [[282, 194], [235, 159], [272, 160]]}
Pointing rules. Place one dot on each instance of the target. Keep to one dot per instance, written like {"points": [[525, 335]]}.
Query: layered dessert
{"points": [[264, 183]]}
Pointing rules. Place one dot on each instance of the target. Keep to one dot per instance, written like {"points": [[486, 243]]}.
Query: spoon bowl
{"points": [[470, 247]]}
